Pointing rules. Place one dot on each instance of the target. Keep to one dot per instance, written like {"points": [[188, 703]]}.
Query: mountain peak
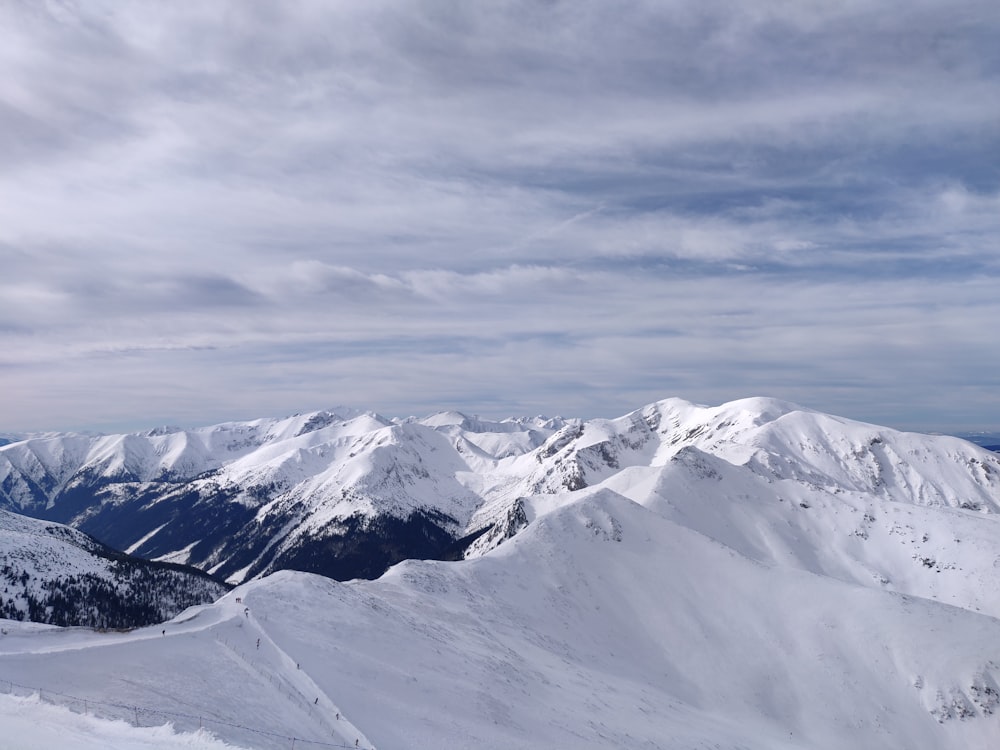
{"points": [[268, 491]]}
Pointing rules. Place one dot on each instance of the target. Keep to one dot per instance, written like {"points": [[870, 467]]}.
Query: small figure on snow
{"points": [[246, 611], [258, 644]]}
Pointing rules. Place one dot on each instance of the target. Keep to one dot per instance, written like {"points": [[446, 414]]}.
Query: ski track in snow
{"points": [[226, 629]]}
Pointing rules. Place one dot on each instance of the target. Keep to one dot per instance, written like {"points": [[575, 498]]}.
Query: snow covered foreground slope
{"points": [[31, 724], [347, 493], [604, 624]]}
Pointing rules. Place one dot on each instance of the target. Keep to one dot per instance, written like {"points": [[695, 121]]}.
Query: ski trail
{"points": [[295, 680]]}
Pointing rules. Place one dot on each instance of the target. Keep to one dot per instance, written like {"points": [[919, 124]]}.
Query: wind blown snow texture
{"points": [[752, 576]]}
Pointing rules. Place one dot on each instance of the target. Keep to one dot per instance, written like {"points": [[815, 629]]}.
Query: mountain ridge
{"points": [[315, 491]]}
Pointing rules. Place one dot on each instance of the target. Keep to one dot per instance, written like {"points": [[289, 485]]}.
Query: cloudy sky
{"points": [[224, 210]]}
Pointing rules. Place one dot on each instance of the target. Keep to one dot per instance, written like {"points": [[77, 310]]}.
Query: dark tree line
{"points": [[131, 596]]}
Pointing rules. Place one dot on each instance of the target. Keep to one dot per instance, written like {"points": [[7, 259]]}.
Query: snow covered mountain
{"points": [[50, 573], [752, 576], [342, 494], [347, 494]]}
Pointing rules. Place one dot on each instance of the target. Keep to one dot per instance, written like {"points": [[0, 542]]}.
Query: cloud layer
{"points": [[252, 208]]}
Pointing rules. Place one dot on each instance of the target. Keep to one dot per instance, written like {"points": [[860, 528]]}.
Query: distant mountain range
{"points": [[988, 440], [347, 494]]}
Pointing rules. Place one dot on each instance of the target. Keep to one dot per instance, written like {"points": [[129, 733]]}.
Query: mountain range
{"points": [[750, 576], [347, 494]]}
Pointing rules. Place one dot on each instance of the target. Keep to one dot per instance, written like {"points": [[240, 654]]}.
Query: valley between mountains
{"points": [[348, 494]]}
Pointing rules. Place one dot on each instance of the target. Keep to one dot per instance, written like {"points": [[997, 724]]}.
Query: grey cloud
{"points": [[196, 291], [588, 203]]}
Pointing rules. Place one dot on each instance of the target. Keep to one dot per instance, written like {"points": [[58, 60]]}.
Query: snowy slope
{"points": [[753, 575], [778, 440], [347, 493], [605, 623]]}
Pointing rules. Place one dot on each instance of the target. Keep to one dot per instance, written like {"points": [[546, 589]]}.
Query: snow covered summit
{"points": [[348, 493]]}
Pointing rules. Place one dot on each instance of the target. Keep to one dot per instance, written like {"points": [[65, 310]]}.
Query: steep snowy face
{"points": [[825, 451], [583, 454], [318, 490], [934, 552], [778, 440], [902, 512]]}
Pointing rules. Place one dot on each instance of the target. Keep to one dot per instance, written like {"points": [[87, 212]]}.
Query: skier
{"points": [[258, 644], [246, 611]]}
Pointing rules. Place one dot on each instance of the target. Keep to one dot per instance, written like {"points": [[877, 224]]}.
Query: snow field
{"points": [[207, 670], [603, 624]]}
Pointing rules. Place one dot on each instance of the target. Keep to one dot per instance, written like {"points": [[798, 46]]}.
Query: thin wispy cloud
{"points": [[235, 209]]}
